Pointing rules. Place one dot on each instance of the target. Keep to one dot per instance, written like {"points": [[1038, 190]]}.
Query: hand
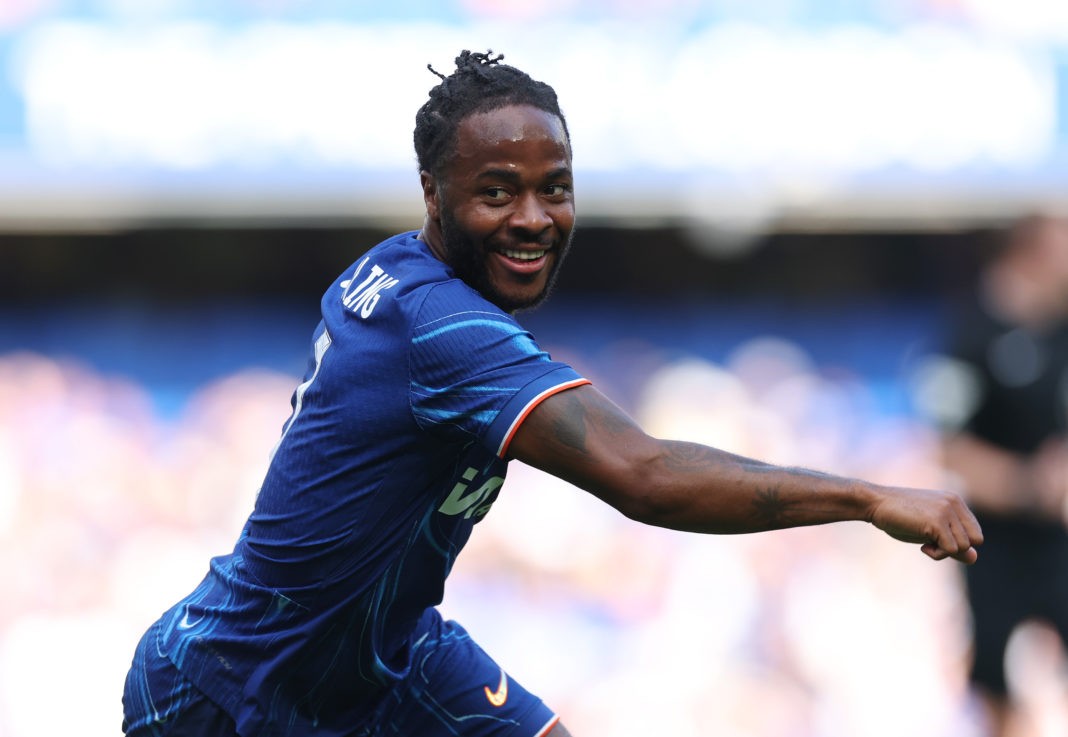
{"points": [[940, 522]]}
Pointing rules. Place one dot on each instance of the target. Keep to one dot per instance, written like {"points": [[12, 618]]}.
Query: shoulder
{"points": [[455, 328], [399, 272], [400, 288]]}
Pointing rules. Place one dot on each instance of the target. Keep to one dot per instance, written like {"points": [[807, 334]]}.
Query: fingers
{"points": [[934, 552], [960, 536], [971, 525], [960, 540], [968, 555]]}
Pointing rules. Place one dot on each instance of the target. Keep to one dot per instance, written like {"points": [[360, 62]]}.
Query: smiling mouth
{"points": [[524, 255]]}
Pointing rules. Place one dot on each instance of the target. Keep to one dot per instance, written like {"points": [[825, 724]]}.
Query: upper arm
{"points": [[473, 369], [581, 436]]}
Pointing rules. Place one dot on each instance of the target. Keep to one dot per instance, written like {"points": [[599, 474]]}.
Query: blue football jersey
{"points": [[395, 448]]}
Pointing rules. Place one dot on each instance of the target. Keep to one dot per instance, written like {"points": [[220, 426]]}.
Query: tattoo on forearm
{"points": [[774, 512], [769, 507]]}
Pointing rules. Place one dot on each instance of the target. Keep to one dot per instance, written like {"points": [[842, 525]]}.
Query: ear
{"points": [[431, 195]]}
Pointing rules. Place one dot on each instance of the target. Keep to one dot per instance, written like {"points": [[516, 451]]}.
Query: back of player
{"points": [[321, 620]]}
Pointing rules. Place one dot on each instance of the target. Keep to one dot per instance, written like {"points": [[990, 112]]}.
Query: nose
{"points": [[530, 215]]}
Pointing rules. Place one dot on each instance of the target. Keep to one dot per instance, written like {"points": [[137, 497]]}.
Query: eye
{"points": [[557, 190], [496, 193]]}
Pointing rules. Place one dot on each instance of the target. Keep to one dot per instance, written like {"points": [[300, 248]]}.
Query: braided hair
{"points": [[480, 84]]}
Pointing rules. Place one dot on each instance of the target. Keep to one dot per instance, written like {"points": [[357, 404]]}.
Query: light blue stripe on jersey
{"points": [[390, 459], [472, 389], [521, 337], [484, 417]]}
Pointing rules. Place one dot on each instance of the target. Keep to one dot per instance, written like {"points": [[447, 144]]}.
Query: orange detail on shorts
{"points": [[548, 727]]}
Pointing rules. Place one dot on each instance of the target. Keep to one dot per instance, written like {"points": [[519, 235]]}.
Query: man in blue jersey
{"points": [[421, 387]]}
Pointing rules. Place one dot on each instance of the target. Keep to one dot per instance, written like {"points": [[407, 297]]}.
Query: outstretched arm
{"points": [[582, 437]]}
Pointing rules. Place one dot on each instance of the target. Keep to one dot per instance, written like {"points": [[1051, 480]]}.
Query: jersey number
{"points": [[321, 344]]}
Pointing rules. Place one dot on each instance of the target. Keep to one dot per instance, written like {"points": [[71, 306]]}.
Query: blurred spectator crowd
{"points": [[109, 512]]}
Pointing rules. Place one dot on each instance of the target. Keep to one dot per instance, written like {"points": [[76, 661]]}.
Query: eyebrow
{"points": [[511, 176]]}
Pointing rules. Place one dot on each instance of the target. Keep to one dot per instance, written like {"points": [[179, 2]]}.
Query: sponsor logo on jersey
{"points": [[471, 503]]}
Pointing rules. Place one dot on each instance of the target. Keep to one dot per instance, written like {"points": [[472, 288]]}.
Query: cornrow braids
{"points": [[479, 84]]}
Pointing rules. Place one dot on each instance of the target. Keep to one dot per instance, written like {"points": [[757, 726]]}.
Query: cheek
{"points": [[565, 219], [478, 221]]}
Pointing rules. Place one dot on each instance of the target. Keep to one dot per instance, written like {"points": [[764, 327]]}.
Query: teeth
{"points": [[523, 255]]}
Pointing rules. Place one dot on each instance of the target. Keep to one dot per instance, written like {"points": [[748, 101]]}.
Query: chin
{"points": [[518, 301]]}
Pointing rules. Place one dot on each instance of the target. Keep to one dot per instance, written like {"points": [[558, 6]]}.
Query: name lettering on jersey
{"points": [[461, 501], [362, 299]]}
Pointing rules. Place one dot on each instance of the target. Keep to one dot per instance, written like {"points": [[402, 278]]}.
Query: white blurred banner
{"points": [[144, 118]]}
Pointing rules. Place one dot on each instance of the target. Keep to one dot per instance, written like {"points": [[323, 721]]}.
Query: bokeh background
{"points": [[778, 201]]}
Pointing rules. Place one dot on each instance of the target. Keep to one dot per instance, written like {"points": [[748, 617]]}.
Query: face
{"points": [[503, 212]]}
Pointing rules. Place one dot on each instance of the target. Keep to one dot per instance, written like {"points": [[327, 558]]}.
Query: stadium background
{"points": [[777, 203]]}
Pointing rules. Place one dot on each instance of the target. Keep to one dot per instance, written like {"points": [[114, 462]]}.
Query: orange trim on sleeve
{"points": [[530, 407]]}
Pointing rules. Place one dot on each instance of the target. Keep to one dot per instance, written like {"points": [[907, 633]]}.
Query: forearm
{"points": [[701, 489]]}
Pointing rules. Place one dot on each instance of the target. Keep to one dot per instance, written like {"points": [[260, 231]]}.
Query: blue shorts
{"points": [[454, 689]]}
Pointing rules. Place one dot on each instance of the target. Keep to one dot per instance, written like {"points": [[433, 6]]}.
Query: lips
{"points": [[523, 261]]}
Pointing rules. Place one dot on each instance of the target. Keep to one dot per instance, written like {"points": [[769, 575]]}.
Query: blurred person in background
{"points": [[421, 387], [1010, 447]]}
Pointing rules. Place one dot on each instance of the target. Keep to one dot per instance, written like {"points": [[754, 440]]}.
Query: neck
{"points": [[431, 235]]}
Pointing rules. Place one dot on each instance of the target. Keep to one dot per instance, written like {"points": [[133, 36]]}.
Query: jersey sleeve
{"points": [[475, 373]]}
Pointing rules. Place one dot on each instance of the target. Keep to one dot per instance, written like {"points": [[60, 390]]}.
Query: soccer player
{"points": [[1010, 449], [420, 388]]}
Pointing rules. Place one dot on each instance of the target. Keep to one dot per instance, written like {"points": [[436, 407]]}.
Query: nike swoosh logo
{"points": [[185, 623], [498, 697]]}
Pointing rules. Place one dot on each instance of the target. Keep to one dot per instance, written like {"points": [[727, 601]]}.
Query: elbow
{"points": [[646, 509], [641, 494]]}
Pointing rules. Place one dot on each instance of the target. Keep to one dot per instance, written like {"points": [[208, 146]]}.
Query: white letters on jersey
{"points": [[321, 344], [363, 298], [469, 504]]}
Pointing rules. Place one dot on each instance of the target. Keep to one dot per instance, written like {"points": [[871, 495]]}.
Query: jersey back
{"points": [[395, 448]]}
